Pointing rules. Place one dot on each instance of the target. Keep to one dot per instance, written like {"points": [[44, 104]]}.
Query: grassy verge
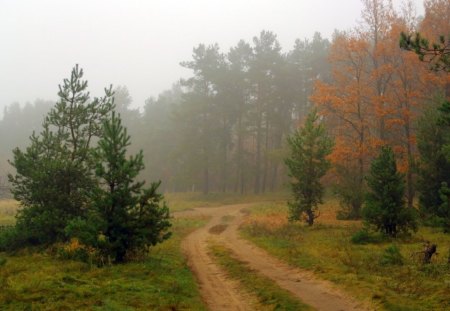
{"points": [[326, 249], [162, 282], [270, 296]]}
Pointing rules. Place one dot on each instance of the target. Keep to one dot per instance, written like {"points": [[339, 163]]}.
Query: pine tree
{"points": [[134, 217], [53, 175], [436, 53], [307, 164], [433, 141], [385, 205]]}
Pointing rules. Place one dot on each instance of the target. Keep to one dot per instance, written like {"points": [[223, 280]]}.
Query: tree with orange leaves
{"points": [[346, 104], [375, 98], [432, 43], [411, 85]]}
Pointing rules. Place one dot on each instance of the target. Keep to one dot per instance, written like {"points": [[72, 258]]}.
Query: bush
{"points": [[361, 237], [364, 237], [87, 231], [75, 250], [13, 238], [391, 256]]}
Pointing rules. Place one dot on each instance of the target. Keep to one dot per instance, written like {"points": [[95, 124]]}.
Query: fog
{"points": [[141, 43]]}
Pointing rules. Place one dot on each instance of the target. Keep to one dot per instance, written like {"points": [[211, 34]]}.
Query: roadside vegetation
{"points": [[390, 279], [31, 280]]}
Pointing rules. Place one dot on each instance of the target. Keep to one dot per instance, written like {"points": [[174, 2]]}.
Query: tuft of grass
{"points": [[163, 281], [270, 296], [326, 249]]}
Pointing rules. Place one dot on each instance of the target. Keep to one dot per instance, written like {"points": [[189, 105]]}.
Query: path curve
{"points": [[217, 291], [220, 293]]}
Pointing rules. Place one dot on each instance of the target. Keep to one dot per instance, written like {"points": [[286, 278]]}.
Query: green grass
{"points": [[38, 281], [326, 249], [270, 296]]}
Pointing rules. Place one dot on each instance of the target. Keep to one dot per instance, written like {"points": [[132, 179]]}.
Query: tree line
{"points": [[387, 112], [225, 127]]}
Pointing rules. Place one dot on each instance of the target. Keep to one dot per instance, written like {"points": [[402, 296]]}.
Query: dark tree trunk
{"points": [[310, 218], [258, 155]]}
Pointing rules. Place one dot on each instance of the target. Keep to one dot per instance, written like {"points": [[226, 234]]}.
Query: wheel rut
{"points": [[221, 293]]}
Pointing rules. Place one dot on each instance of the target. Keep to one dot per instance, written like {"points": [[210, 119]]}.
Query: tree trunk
{"points": [[310, 218], [258, 148], [266, 158]]}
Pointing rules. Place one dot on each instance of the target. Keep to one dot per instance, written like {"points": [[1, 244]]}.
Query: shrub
{"points": [[364, 236], [361, 237], [13, 238], [87, 231], [391, 256], [77, 251]]}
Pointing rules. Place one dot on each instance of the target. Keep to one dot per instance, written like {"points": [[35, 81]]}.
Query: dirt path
{"points": [[220, 293]]}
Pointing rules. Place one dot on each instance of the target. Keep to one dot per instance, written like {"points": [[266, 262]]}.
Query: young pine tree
{"points": [[53, 175], [307, 164], [134, 218], [385, 205]]}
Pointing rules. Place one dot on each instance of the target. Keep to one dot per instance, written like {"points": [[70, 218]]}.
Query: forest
{"points": [[348, 134]]}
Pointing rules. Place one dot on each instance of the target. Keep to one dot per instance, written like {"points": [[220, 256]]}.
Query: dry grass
{"points": [[8, 210], [188, 200]]}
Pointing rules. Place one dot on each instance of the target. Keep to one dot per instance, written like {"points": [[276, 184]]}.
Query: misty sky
{"points": [[141, 43]]}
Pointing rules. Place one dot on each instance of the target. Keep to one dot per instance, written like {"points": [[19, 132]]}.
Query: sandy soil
{"points": [[221, 293]]}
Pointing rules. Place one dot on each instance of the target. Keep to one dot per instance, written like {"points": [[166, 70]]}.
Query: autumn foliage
{"points": [[377, 93]]}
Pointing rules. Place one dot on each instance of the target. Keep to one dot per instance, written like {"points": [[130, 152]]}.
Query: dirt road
{"points": [[220, 293]]}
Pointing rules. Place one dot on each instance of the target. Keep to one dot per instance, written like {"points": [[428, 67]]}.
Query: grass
{"points": [[189, 200], [38, 281], [270, 296], [8, 209], [326, 249]]}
